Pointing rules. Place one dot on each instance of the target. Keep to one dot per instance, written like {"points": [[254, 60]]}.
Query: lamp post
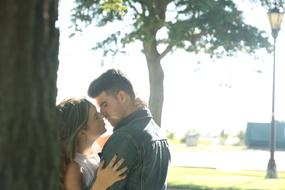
{"points": [[275, 18]]}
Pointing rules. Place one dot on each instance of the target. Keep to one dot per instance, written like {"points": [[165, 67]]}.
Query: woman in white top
{"points": [[79, 125]]}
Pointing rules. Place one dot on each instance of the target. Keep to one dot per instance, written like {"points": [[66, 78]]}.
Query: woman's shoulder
{"points": [[73, 167]]}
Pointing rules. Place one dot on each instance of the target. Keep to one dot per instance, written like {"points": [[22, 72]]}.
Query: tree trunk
{"points": [[156, 77], [28, 67]]}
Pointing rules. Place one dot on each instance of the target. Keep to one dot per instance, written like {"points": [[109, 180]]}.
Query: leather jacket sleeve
{"points": [[123, 145]]}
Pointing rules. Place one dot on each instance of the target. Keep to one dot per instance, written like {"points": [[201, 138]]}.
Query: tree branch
{"points": [[166, 51], [133, 7]]}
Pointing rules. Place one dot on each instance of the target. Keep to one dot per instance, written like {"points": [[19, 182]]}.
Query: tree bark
{"points": [[156, 77], [28, 67]]}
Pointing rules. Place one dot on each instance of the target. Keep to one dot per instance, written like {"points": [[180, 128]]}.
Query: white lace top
{"points": [[88, 166]]}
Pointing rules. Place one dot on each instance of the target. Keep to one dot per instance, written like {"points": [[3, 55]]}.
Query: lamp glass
{"points": [[275, 18]]}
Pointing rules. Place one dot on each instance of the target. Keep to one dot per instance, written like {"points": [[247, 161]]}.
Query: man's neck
{"points": [[131, 110]]}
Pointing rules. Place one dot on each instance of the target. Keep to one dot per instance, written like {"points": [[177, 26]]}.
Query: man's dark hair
{"points": [[112, 81]]}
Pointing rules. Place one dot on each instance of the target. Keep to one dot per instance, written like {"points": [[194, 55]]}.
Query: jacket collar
{"points": [[136, 115]]}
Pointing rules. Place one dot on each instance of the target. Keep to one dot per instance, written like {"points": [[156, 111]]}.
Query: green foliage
{"points": [[241, 137], [86, 11], [213, 27], [114, 6], [170, 135]]}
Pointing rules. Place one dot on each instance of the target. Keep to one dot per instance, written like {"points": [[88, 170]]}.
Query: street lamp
{"points": [[275, 18]]}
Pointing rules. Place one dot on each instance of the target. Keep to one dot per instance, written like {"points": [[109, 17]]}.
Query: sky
{"points": [[201, 94]]}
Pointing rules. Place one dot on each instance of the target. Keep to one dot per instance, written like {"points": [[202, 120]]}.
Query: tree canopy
{"points": [[214, 27]]}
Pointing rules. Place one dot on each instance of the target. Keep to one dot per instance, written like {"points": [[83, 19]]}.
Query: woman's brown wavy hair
{"points": [[72, 116]]}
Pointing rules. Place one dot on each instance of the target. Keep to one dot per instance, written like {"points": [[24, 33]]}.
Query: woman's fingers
{"points": [[122, 170], [106, 176], [121, 177], [112, 162], [118, 164], [115, 165]]}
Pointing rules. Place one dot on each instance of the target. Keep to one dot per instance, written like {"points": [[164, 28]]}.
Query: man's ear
{"points": [[122, 96]]}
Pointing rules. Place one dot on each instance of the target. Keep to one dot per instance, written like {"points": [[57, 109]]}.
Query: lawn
{"points": [[213, 179]]}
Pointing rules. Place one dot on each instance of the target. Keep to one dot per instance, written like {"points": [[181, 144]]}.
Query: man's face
{"points": [[111, 107]]}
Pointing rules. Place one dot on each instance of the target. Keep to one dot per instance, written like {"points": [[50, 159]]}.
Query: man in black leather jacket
{"points": [[136, 137]]}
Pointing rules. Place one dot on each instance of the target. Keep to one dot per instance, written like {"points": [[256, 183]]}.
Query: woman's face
{"points": [[95, 123]]}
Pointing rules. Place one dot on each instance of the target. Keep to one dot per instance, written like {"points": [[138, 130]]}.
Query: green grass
{"points": [[212, 179]]}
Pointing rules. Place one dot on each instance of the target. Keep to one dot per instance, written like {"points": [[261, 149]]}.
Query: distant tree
{"points": [[28, 67], [213, 27]]}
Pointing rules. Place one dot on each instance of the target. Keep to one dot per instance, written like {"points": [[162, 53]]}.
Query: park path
{"points": [[229, 159]]}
